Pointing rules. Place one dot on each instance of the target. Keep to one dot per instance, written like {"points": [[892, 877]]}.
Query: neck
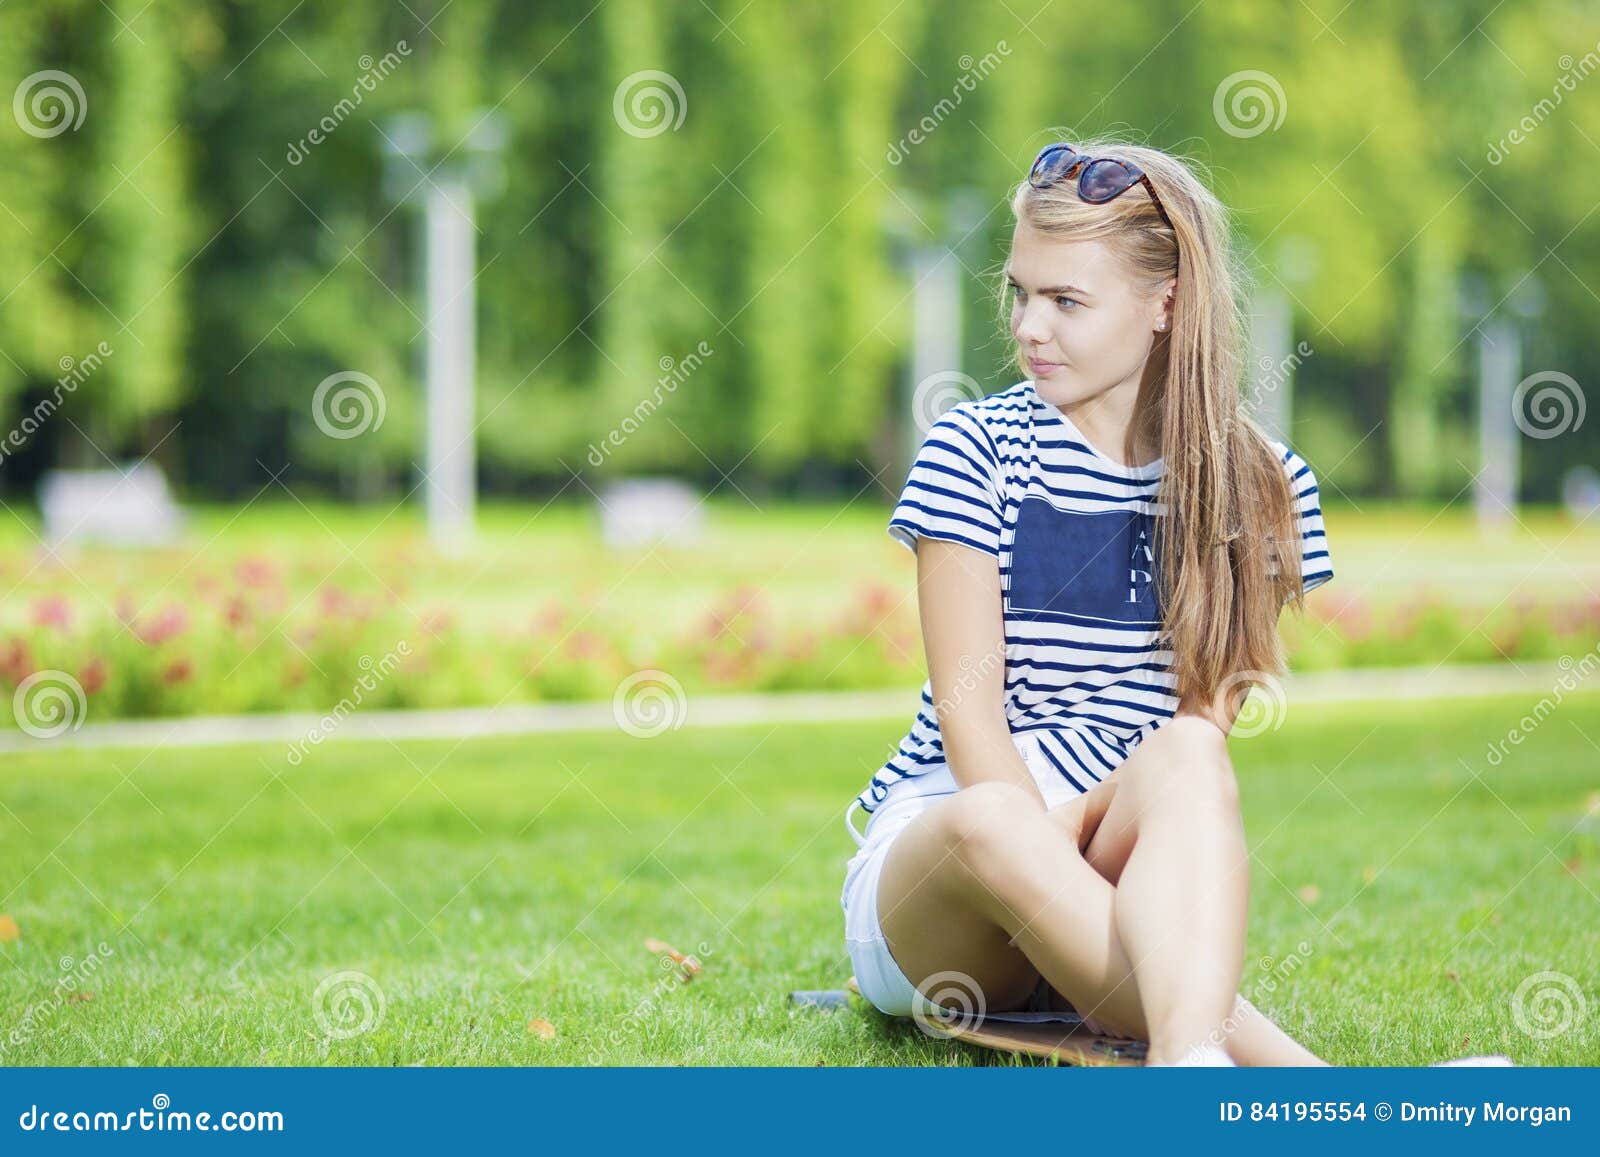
{"points": [[1105, 418]]}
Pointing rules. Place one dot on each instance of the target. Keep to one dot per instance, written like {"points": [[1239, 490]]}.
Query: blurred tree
{"points": [[221, 219]]}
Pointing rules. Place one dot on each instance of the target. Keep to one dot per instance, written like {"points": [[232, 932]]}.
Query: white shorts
{"points": [[877, 975]]}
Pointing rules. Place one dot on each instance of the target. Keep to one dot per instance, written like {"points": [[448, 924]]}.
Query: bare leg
{"points": [[1183, 888], [986, 885]]}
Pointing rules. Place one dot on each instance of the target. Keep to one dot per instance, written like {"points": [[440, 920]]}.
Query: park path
{"points": [[1348, 686]]}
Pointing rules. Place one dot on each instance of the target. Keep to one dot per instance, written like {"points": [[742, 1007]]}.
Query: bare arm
{"points": [[959, 601]]}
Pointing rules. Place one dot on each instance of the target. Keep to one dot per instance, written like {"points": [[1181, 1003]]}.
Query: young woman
{"points": [[1099, 584]]}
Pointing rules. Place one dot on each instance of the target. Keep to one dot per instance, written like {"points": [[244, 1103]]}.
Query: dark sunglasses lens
{"points": [[1052, 163], [1104, 180]]}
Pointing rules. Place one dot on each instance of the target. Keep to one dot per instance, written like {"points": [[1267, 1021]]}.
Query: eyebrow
{"points": [[1052, 291]]}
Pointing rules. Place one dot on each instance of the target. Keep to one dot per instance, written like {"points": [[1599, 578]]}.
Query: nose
{"points": [[1031, 328]]}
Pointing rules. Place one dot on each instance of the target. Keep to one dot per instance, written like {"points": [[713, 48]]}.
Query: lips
{"points": [[1040, 367]]}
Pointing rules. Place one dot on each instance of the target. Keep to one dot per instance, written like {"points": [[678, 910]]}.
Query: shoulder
{"points": [[1302, 479], [1293, 464], [996, 418]]}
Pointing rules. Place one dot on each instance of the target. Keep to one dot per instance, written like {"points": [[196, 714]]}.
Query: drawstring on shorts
{"points": [[854, 835]]}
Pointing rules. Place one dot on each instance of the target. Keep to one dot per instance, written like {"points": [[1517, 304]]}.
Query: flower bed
{"points": [[247, 643]]}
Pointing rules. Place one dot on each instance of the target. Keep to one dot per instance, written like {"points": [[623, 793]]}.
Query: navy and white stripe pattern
{"points": [[1010, 475]]}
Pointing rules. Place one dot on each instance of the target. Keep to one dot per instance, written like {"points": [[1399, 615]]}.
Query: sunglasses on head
{"points": [[1100, 179]]}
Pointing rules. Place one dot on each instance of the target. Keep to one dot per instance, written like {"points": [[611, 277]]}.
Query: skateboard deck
{"points": [[1055, 1036], [1058, 1036]]}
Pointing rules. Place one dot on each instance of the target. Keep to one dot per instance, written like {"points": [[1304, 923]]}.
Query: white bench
{"points": [[131, 508]]}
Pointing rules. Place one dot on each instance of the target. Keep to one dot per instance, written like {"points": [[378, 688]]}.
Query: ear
{"points": [[1161, 322]]}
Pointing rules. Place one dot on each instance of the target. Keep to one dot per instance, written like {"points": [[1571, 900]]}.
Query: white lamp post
{"points": [[447, 186]]}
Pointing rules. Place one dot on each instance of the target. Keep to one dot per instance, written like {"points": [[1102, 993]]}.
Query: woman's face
{"points": [[1081, 325]]}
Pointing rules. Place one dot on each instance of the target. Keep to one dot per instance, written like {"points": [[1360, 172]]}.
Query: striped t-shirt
{"points": [[1010, 475]]}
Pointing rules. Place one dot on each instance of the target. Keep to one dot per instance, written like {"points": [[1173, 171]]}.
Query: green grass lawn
{"points": [[485, 884]]}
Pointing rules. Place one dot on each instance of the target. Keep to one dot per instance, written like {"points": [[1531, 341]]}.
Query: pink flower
{"points": [[94, 676], [171, 622], [1507, 642], [16, 664], [877, 599], [722, 668], [52, 611], [255, 571], [177, 671], [438, 620], [550, 619], [1570, 618], [1349, 614], [237, 611]]}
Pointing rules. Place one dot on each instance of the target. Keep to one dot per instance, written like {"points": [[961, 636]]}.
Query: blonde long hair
{"points": [[1229, 503]]}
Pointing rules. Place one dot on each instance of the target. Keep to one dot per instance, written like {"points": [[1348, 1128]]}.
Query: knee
{"points": [[982, 824], [1196, 780]]}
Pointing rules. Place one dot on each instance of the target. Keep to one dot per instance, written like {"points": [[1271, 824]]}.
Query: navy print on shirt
{"points": [[1093, 568]]}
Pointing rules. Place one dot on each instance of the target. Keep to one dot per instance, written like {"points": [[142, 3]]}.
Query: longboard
{"points": [[1058, 1036], [1055, 1036]]}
